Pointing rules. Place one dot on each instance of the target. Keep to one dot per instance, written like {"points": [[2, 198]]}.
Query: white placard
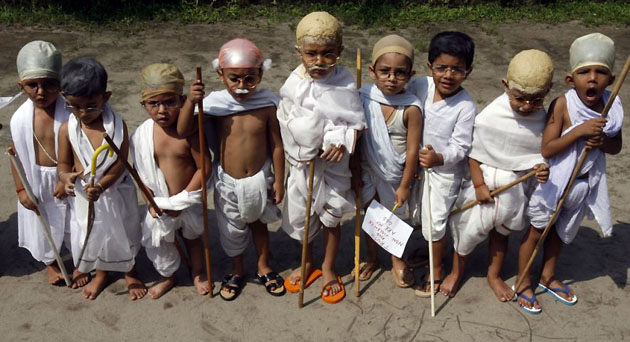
{"points": [[386, 229]]}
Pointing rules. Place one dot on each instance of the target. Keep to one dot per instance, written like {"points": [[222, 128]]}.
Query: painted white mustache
{"points": [[241, 91], [322, 67]]}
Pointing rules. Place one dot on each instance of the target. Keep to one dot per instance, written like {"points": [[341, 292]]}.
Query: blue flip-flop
{"points": [[531, 300], [553, 291]]}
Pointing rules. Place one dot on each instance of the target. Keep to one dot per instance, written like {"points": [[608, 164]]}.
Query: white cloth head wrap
{"points": [[38, 59], [530, 72], [592, 49], [319, 25]]}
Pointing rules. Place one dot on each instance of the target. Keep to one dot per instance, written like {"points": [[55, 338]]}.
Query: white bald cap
{"points": [[38, 59], [592, 49]]}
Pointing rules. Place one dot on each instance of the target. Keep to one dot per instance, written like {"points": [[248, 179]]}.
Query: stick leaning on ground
{"points": [[204, 190], [427, 188], [357, 214], [19, 168], [305, 236], [574, 174]]}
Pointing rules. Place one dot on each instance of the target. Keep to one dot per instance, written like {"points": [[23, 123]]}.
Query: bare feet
{"points": [[79, 279], [160, 288], [95, 286], [54, 274], [201, 283], [136, 288], [503, 292], [450, 285], [331, 285]]}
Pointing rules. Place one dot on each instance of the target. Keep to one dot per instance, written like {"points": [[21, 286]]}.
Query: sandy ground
{"points": [[596, 268]]}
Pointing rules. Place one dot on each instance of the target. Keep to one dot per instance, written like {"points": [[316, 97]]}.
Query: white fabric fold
{"points": [[222, 103], [377, 147]]}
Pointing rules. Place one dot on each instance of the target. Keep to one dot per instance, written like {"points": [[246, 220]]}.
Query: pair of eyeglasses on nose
{"points": [[167, 104], [443, 69], [386, 74], [47, 86]]}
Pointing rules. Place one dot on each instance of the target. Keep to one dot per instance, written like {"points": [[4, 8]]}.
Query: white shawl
{"points": [[143, 154], [22, 134], [222, 103], [377, 146], [595, 164], [335, 114], [505, 139]]}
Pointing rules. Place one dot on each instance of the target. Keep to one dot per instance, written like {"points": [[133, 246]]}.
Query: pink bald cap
{"points": [[240, 53]]}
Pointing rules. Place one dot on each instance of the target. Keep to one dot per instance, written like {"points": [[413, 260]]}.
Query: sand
{"points": [[596, 268]]}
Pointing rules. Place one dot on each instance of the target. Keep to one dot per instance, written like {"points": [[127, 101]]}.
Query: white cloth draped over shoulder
{"points": [[505, 139], [115, 237], [314, 114], [507, 145], [222, 103], [377, 147], [595, 201], [143, 153], [42, 180]]}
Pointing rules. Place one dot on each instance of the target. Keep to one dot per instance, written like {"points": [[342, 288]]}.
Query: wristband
{"points": [[17, 191], [479, 185]]}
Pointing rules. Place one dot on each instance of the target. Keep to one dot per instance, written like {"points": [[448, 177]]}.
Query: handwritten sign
{"points": [[386, 229]]}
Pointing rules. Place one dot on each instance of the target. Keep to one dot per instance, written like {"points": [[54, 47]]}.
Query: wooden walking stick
{"points": [[19, 168], [493, 193], [357, 214], [147, 194], [204, 190], [90, 222], [305, 236], [574, 174], [427, 188]]}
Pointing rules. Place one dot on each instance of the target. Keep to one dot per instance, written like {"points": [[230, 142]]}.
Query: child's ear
{"points": [[506, 86], [220, 73], [412, 73], [469, 71], [372, 72], [106, 96], [20, 84], [612, 79], [568, 79], [430, 69]]}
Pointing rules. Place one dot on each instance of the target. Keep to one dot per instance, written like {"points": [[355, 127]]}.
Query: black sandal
{"points": [[272, 287], [234, 283]]}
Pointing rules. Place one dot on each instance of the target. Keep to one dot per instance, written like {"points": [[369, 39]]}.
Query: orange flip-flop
{"points": [[296, 288], [337, 297]]}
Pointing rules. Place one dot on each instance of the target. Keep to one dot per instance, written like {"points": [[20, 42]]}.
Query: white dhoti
{"points": [[331, 189], [42, 181], [240, 202], [164, 256], [373, 184], [506, 214], [444, 190], [56, 213], [116, 234]]}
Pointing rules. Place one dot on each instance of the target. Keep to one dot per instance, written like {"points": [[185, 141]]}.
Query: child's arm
{"points": [[113, 173], [277, 155], [482, 192], [19, 190], [65, 164], [414, 133], [197, 178], [553, 142], [608, 145], [186, 120]]}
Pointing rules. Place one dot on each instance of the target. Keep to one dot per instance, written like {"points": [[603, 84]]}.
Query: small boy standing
{"points": [[575, 124], [34, 129], [447, 135], [505, 146], [115, 238], [169, 166], [320, 110], [394, 121], [247, 191]]}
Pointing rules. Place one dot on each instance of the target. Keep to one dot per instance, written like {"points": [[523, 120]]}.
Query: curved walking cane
{"points": [[204, 190], [305, 236], [574, 174], [427, 188], [19, 168], [90, 222], [357, 214]]}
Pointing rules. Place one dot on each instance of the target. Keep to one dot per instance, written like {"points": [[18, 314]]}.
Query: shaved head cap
{"points": [[392, 43], [592, 49], [319, 26], [530, 72], [38, 59], [160, 78]]}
